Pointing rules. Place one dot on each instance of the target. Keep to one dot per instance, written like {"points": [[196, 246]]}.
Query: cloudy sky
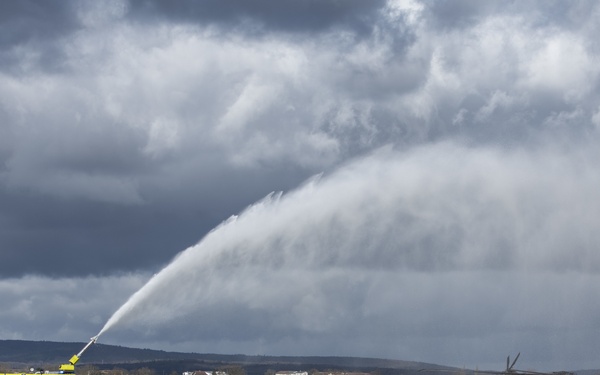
{"points": [[395, 179]]}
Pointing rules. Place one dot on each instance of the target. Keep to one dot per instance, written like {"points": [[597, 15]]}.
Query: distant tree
{"points": [[232, 370], [144, 371], [270, 372], [116, 371]]}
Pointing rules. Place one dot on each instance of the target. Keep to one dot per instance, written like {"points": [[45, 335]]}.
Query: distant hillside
{"points": [[58, 352], [35, 353], [106, 357]]}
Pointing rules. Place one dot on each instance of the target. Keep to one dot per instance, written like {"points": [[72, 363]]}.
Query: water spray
{"points": [[434, 217]]}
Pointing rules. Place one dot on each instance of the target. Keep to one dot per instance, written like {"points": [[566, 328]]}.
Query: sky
{"points": [[393, 179]]}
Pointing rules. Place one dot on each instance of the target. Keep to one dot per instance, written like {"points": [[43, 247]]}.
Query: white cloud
{"points": [[563, 65], [397, 9]]}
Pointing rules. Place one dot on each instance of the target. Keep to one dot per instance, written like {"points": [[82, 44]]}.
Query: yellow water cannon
{"points": [[69, 368]]}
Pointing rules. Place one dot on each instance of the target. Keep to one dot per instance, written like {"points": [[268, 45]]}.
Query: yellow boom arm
{"points": [[67, 368]]}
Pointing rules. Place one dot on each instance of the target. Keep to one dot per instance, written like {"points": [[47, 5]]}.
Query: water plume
{"points": [[380, 237]]}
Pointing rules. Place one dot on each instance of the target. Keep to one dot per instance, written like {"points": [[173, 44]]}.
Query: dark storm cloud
{"points": [[460, 13], [31, 34], [294, 16], [28, 320], [31, 20], [41, 234]]}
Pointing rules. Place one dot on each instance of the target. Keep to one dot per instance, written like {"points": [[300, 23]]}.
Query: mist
{"points": [[443, 243]]}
